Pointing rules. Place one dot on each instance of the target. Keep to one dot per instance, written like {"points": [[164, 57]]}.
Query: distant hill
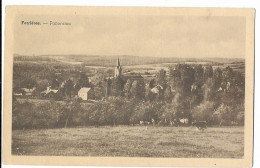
{"points": [[126, 60]]}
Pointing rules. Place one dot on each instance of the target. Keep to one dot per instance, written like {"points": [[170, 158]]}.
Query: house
{"points": [[86, 93], [157, 89], [49, 92], [225, 86], [28, 91], [194, 87], [228, 86], [18, 94]]}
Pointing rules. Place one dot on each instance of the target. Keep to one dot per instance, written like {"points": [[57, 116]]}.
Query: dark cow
{"points": [[145, 123], [201, 125]]}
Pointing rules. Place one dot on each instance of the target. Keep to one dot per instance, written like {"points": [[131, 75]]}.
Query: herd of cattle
{"points": [[201, 125]]}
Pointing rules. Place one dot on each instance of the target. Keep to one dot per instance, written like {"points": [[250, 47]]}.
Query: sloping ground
{"points": [[226, 142]]}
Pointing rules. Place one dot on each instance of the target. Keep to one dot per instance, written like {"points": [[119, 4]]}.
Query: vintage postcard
{"points": [[128, 86]]}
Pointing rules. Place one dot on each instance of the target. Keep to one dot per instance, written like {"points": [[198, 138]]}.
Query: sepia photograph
{"points": [[131, 82]]}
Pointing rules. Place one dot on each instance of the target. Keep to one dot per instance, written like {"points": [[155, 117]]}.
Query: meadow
{"points": [[131, 141]]}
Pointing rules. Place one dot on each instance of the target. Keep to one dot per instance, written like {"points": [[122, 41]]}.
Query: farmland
{"points": [[134, 64], [131, 141]]}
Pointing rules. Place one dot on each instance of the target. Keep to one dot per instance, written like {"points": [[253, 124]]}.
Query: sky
{"points": [[145, 35]]}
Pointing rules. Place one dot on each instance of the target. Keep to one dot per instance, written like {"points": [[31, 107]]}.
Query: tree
{"points": [[149, 96], [175, 74], [168, 94], [127, 88], [99, 92], [72, 106], [198, 75], [40, 86], [97, 112], [161, 78], [117, 87], [236, 92], [187, 77], [97, 79], [169, 113], [237, 89], [67, 88], [22, 115], [146, 111], [119, 110], [54, 81], [138, 89], [208, 90], [101, 86], [28, 82], [227, 74], [83, 81], [224, 115], [203, 112], [217, 78], [208, 73], [152, 84], [138, 113]]}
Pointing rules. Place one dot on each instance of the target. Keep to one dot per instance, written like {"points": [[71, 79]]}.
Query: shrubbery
{"points": [[116, 111], [52, 114]]}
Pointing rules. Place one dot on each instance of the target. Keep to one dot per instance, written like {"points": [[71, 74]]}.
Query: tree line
{"points": [[187, 91]]}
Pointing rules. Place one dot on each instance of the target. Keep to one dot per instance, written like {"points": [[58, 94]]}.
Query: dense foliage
{"points": [[192, 92]]}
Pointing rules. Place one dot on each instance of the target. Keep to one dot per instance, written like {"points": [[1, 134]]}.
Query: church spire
{"points": [[118, 69], [118, 62]]}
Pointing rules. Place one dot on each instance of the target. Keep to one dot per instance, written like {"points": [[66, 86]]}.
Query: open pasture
{"points": [[131, 141]]}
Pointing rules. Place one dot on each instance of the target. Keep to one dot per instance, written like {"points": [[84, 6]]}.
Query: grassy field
{"points": [[132, 141]]}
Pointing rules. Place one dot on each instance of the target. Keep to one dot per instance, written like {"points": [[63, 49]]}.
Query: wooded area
{"points": [[186, 91]]}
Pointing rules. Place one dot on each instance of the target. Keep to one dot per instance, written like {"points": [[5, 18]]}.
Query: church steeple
{"points": [[118, 62], [118, 69]]}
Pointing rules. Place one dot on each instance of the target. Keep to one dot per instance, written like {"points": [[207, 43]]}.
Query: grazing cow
{"points": [[184, 121], [144, 123], [201, 125], [153, 122], [141, 122]]}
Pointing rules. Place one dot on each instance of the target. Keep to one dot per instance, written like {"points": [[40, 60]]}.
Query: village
{"points": [[54, 97], [88, 93], [183, 89]]}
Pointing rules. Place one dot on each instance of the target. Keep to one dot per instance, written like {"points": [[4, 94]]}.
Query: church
{"points": [[115, 85], [118, 69]]}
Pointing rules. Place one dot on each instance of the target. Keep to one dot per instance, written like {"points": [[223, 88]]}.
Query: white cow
{"points": [[184, 120]]}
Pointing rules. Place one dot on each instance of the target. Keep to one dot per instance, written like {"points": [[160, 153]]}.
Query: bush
{"points": [[203, 112], [146, 111], [228, 115], [117, 111], [22, 115], [28, 115]]}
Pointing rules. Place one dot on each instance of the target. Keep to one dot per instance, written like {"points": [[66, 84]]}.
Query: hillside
{"points": [[126, 60]]}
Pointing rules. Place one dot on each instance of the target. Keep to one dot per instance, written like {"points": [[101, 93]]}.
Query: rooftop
{"points": [[84, 90]]}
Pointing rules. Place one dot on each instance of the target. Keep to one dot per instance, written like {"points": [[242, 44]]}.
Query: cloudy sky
{"points": [[162, 36]]}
